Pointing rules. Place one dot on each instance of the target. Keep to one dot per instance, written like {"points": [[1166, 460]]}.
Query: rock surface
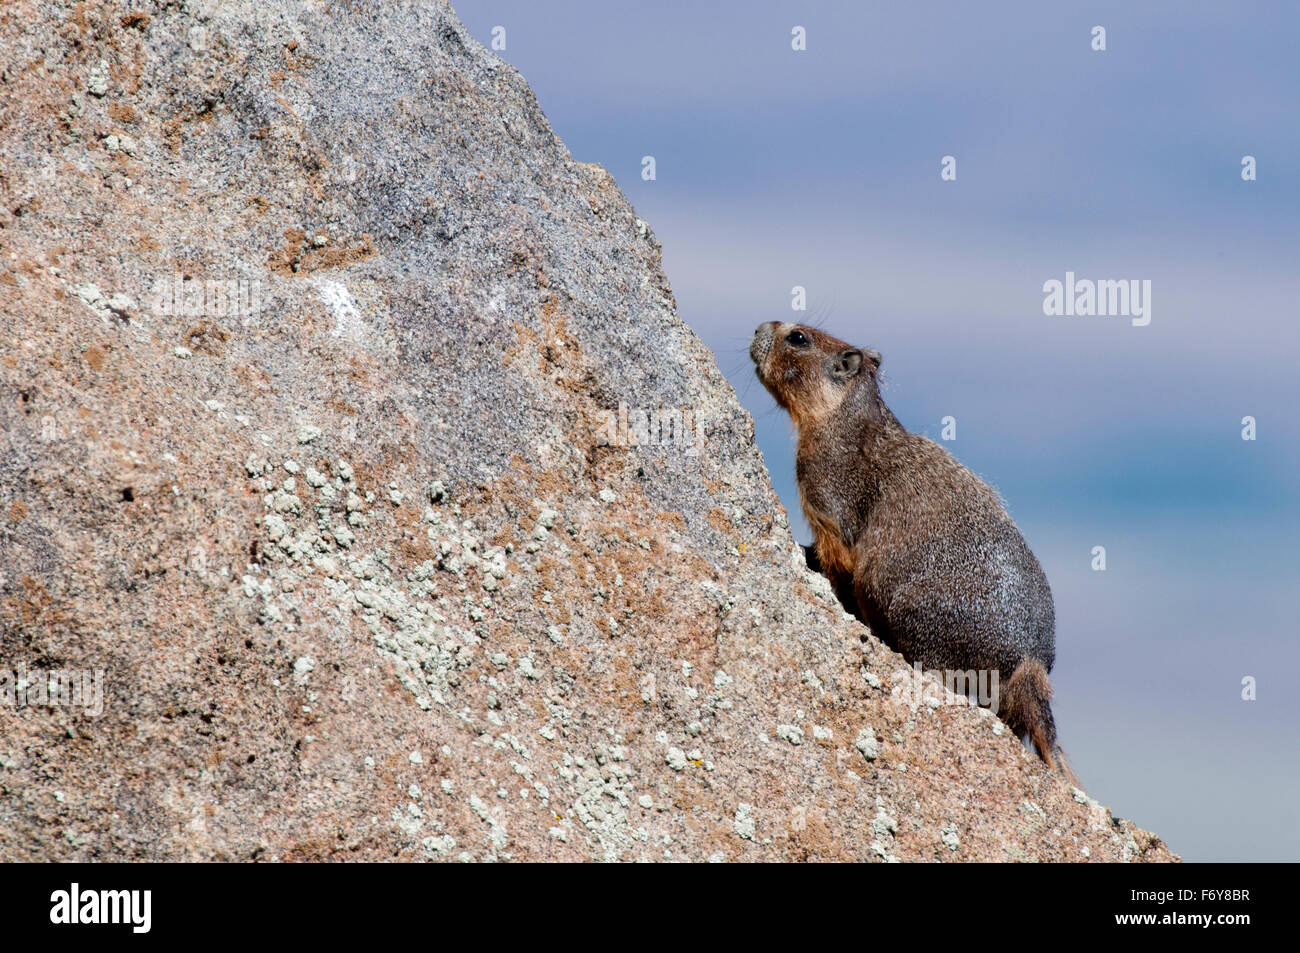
{"points": [[315, 342]]}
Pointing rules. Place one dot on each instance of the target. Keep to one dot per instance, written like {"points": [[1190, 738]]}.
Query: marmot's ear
{"points": [[847, 364], [872, 355]]}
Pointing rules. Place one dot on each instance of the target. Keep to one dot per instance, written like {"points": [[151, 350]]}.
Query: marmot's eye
{"points": [[797, 339]]}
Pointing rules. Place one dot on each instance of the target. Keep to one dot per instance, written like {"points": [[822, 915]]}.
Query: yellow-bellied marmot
{"points": [[915, 545]]}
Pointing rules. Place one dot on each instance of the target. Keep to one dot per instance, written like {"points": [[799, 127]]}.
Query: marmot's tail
{"points": [[1026, 707]]}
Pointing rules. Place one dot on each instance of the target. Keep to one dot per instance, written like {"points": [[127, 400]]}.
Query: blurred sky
{"points": [[821, 168]]}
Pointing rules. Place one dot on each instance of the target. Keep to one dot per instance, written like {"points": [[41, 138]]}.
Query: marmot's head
{"points": [[809, 372]]}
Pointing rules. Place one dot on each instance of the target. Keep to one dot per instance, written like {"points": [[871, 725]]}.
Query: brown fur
{"points": [[1025, 705], [914, 544]]}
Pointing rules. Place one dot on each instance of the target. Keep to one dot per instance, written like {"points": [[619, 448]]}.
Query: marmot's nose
{"points": [[762, 342]]}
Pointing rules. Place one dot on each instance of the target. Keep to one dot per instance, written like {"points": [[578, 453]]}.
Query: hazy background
{"points": [[821, 168]]}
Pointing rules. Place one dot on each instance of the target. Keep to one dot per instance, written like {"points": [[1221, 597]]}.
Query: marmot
{"points": [[914, 544]]}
